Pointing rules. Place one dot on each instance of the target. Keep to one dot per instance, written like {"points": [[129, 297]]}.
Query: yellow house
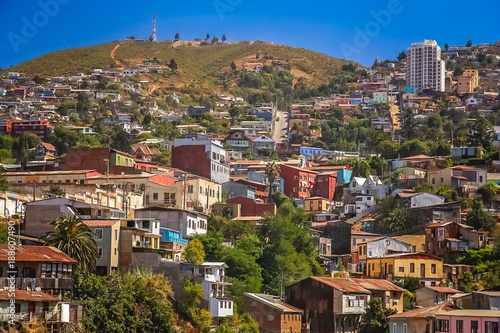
{"points": [[417, 242], [427, 268], [317, 205]]}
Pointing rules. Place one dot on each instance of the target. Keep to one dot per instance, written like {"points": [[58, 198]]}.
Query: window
{"points": [[491, 327], [474, 326], [155, 196], [412, 267], [115, 251], [460, 326], [401, 269], [394, 328], [270, 317], [433, 268], [190, 189], [405, 328], [98, 234], [442, 325], [99, 252], [116, 234]]}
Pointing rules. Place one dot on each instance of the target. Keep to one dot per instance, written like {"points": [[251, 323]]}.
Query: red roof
{"points": [[24, 295], [418, 157], [48, 146], [35, 253], [444, 290]]}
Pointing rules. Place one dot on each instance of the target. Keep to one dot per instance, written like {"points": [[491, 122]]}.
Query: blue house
{"points": [[265, 115], [311, 151], [409, 90], [169, 235]]}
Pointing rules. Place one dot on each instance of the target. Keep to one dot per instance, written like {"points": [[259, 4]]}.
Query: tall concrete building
{"points": [[424, 66], [206, 158]]}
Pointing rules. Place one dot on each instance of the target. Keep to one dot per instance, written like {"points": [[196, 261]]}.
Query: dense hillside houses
{"points": [[262, 201]]}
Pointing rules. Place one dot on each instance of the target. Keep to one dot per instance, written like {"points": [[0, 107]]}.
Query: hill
{"points": [[196, 60]]}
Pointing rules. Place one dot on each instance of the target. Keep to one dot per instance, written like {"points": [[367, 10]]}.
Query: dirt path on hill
{"points": [[113, 55]]}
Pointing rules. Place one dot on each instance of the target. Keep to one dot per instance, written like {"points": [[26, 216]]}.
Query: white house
{"points": [[371, 185], [362, 203], [103, 95], [212, 276], [263, 142], [379, 248], [128, 72]]}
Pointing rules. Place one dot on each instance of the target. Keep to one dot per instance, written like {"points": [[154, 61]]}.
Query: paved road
{"points": [[279, 126]]}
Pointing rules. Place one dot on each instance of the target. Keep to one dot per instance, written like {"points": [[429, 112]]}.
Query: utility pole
{"points": [[281, 283], [107, 168], [184, 192]]}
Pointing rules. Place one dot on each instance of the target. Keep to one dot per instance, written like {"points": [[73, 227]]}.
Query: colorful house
{"points": [[418, 320], [427, 268], [474, 321]]}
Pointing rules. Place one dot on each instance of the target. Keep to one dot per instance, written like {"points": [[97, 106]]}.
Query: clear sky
{"points": [[358, 30]]}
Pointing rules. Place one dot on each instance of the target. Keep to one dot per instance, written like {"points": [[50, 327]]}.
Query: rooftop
{"points": [[274, 302], [423, 312], [24, 295], [35, 253]]}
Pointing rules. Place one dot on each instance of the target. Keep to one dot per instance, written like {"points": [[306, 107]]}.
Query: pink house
{"points": [[467, 321]]}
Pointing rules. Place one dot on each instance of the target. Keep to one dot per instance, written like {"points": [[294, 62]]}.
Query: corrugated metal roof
{"points": [[100, 223], [358, 285], [444, 290], [472, 313], [428, 311], [35, 253], [379, 284], [24, 295], [275, 302]]}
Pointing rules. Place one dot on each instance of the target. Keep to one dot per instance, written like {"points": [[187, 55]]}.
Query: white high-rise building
{"points": [[424, 66]]}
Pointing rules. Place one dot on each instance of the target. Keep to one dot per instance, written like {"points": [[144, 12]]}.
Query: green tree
{"points": [[467, 283], [120, 140], [488, 192], [272, 172], [54, 191], [402, 55], [469, 43], [208, 37], [446, 47], [194, 252], [73, 237], [359, 168], [233, 66], [173, 65], [450, 194], [177, 36], [189, 306], [139, 301], [375, 318], [4, 233], [224, 38], [6, 142], [4, 184], [479, 218], [164, 158], [482, 133], [398, 221]]}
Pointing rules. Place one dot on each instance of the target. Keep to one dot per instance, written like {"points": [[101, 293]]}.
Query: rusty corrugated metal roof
{"points": [[35, 253]]}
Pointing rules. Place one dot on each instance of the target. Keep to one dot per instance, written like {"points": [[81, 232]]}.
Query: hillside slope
{"points": [[196, 61]]}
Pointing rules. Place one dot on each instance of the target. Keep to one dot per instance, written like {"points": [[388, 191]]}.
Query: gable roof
{"points": [[444, 290], [35, 253], [48, 146]]}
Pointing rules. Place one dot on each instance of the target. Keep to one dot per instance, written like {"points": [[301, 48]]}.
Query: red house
{"points": [[302, 183], [40, 127], [325, 185], [298, 182], [250, 207]]}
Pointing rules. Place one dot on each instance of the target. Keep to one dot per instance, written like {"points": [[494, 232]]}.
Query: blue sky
{"points": [[356, 30]]}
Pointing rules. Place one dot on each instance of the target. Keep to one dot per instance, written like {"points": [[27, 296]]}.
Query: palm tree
{"points": [[359, 168], [73, 237], [272, 171]]}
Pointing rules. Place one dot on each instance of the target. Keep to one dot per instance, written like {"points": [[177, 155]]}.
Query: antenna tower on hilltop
{"points": [[153, 35]]}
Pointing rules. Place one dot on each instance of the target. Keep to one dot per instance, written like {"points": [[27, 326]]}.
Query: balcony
{"points": [[38, 283]]}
